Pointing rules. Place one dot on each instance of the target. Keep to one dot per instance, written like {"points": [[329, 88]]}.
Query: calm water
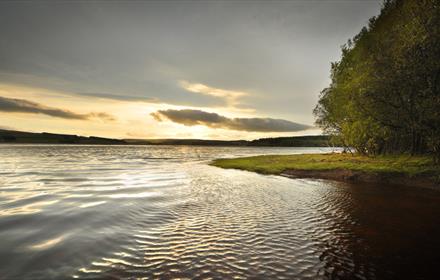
{"points": [[160, 212]]}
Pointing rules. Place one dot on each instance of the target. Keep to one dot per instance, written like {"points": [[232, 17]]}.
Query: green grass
{"points": [[276, 164]]}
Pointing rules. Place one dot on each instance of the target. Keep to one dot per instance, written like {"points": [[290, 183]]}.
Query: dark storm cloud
{"points": [[25, 106], [197, 117]]}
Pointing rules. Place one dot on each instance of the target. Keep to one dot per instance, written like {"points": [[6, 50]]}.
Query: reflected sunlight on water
{"points": [[162, 212]]}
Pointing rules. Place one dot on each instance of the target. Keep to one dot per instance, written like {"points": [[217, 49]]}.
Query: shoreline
{"points": [[396, 170]]}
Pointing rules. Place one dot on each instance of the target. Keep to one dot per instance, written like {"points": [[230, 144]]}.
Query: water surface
{"points": [[160, 212]]}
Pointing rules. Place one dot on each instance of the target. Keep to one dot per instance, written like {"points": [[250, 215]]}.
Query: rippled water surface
{"points": [[160, 212]]}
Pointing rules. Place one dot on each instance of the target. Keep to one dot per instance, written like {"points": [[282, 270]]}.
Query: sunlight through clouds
{"points": [[230, 96]]}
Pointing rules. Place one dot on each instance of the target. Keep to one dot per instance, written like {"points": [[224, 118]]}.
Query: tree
{"points": [[384, 95]]}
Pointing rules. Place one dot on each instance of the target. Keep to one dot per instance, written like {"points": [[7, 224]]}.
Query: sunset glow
{"points": [[109, 77]]}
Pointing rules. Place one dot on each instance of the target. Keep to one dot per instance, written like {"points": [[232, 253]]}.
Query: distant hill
{"points": [[19, 137], [191, 142], [294, 141]]}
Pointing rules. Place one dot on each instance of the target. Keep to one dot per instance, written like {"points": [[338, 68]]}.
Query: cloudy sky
{"points": [[187, 69]]}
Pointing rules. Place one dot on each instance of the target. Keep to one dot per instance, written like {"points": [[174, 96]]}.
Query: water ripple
{"points": [[161, 213]]}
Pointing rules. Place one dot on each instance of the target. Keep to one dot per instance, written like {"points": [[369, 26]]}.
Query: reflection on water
{"points": [[161, 212]]}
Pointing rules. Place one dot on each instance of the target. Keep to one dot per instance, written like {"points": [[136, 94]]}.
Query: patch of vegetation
{"points": [[276, 164]]}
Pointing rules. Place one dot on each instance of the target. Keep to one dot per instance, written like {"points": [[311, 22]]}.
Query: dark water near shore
{"points": [[160, 212]]}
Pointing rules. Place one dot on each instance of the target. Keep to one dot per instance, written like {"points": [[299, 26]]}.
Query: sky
{"points": [[186, 69]]}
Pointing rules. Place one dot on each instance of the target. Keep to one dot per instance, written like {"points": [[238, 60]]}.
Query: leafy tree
{"points": [[384, 95]]}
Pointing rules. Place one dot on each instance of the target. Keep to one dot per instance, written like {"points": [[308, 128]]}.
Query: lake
{"points": [[160, 212]]}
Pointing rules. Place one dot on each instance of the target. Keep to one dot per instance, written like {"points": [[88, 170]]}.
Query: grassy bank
{"points": [[396, 169]]}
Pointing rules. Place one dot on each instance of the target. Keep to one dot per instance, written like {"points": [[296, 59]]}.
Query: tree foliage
{"points": [[384, 95]]}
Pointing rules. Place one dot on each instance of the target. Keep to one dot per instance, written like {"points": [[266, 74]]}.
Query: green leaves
{"points": [[385, 90]]}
